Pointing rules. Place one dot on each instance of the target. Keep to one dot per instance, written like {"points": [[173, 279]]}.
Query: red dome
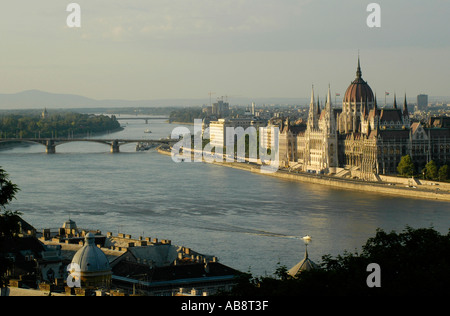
{"points": [[358, 89]]}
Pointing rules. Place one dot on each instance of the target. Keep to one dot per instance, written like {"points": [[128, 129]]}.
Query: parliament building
{"points": [[361, 139]]}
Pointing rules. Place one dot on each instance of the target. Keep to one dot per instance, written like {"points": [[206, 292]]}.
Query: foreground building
{"points": [[205, 278], [81, 262], [28, 263], [362, 139]]}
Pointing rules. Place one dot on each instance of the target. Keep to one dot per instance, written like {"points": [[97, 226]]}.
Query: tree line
{"points": [[431, 171], [186, 115], [55, 125]]}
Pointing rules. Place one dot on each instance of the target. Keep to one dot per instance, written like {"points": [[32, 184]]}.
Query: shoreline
{"points": [[341, 183], [180, 123]]}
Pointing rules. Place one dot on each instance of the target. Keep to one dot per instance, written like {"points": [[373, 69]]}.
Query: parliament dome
{"points": [[358, 90]]}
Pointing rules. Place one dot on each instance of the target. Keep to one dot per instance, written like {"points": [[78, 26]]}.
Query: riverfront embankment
{"points": [[395, 186]]}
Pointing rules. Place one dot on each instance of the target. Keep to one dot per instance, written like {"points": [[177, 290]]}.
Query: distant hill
{"points": [[36, 99], [40, 99]]}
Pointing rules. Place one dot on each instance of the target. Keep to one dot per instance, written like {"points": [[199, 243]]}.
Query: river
{"points": [[251, 222]]}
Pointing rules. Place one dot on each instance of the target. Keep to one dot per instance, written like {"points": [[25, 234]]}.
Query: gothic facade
{"points": [[361, 139]]}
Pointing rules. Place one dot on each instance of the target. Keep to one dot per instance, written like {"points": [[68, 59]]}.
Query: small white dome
{"points": [[90, 258]]}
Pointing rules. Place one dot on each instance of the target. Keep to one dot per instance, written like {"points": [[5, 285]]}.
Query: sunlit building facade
{"points": [[362, 139]]}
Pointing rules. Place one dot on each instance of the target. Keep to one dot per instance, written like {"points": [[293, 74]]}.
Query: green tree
{"points": [[61, 125], [8, 189], [444, 173], [406, 166], [431, 170], [186, 115], [9, 221]]}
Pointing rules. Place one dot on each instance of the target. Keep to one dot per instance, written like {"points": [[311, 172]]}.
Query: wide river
{"points": [[251, 222]]}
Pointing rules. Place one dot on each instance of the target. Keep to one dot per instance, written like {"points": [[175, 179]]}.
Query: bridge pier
{"points": [[50, 147], [51, 143], [115, 147]]}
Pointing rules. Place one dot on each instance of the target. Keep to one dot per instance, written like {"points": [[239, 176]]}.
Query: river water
{"points": [[251, 222]]}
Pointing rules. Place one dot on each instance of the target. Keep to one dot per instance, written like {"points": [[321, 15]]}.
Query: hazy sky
{"points": [[152, 49]]}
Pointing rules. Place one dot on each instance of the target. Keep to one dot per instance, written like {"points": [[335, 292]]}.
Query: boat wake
{"points": [[247, 231]]}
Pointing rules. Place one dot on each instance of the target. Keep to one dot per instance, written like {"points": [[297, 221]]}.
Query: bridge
{"points": [[146, 119], [51, 143]]}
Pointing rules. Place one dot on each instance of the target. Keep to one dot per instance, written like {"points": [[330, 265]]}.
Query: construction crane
{"points": [[226, 96], [210, 94]]}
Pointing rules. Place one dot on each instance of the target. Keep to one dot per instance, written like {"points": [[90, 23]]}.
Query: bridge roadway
{"points": [[118, 118], [51, 143]]}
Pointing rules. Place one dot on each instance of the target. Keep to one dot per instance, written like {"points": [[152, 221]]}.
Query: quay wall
{"points": [[363, 186], [406, 181]]}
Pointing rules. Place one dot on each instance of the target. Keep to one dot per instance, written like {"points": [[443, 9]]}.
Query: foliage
{"points": [[8, 189], [9, 224], [431, 170], [413, 262], [9, 221], [56, 125], [186, 115], [406, 166], [444, 173]]}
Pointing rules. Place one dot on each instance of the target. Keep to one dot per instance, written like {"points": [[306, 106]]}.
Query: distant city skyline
{"points": [[148, 50]]}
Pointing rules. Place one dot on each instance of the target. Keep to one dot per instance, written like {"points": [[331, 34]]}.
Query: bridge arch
{"points": [[20, 140], [51, 143]]}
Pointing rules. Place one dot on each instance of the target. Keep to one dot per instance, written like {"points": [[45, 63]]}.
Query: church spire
{"points": [[328, 102], [405, 107], [329, 114], [318, 107], [358, 70], [395, 101], [313, 111]]}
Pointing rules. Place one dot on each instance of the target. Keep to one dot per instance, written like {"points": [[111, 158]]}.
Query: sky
{"points": [[159, 49]]}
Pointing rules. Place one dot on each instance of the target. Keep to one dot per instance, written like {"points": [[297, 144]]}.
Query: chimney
{"points": [[46, 234]]}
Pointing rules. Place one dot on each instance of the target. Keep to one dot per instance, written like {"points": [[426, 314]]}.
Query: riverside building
{"points": [[361, 139], [218, 129]]}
